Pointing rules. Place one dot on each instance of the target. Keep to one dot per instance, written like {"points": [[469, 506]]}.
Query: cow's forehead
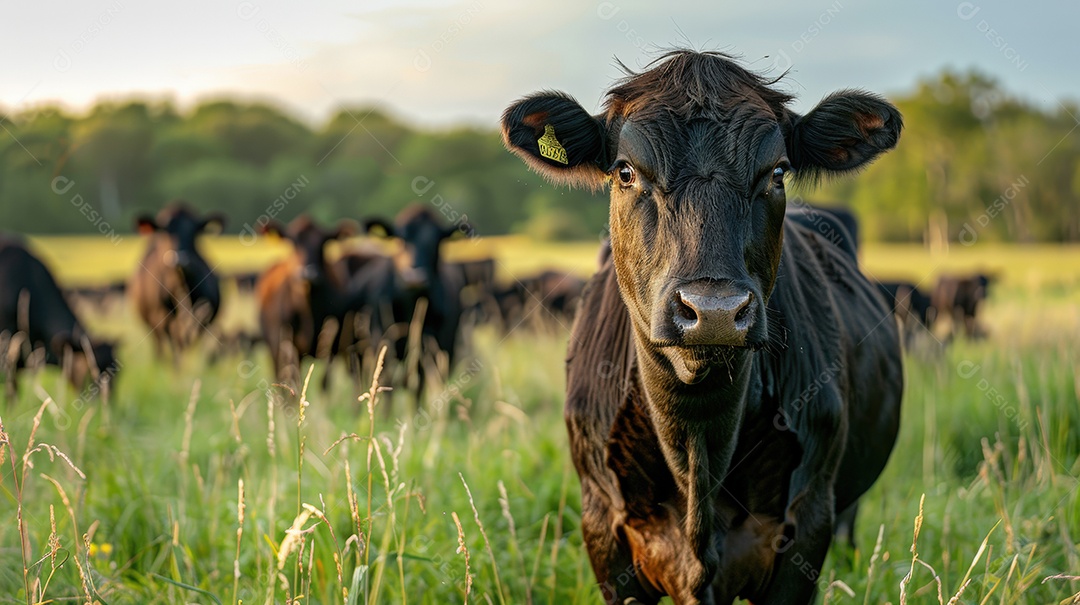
{"points": [[420, 225], [671, 147], [182, 223]]}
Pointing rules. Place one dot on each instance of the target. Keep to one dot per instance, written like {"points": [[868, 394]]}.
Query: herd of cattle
{"points": [[311, 304]]}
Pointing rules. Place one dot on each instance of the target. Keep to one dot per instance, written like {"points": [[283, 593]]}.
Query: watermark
{"points": [[967, 11], [609, 590], [782, 60], [607, 11], [969, 370], [423, 59], [782, 420], [249, 11], [821, 222], [63, 59], [102, 386], [61, 185], [272, 391], [424, 419], [423, 547], [969, 234], [249, 233], [421, 185]]}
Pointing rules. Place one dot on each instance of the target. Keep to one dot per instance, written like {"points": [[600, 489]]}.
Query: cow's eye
{"points": [[778, 176], [627, 175]]}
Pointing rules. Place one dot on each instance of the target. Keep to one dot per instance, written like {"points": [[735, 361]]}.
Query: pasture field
{"points": [[472, 497]]}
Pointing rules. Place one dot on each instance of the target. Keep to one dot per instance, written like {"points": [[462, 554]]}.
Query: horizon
{"points": [[310, 62], [185, 107]]}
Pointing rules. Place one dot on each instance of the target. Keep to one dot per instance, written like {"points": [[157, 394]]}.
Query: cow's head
{"points": [[420, 234], [183, 225], [309, 241], [696, 151]]}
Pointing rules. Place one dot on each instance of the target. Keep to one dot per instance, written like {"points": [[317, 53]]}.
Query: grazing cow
{"points": [[35, 316], [731, 386], [174, 289], [959, 299], [477, 280], [386, 290], [102, 298], [909, 304], [554, 293], [301, 299]]}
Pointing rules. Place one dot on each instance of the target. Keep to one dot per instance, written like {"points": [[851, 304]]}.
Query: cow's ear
{"points": [[845, 132], [379, 227], [145, 224], [558, 139], [214, 223]]}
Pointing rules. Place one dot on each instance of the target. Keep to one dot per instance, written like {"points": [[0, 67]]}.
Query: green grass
{"points": [[990, 435]]}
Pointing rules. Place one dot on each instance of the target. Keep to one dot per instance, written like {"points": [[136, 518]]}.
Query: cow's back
{"points": [[27, 287]]}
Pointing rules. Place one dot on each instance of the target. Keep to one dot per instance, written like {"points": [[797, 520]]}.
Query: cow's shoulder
{"points": [[600, 353], [599, 371]]}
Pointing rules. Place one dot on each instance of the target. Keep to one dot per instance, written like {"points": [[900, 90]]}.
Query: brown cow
{"points": [[174, 290], [732, 385], [959, 299], [300, 299]]}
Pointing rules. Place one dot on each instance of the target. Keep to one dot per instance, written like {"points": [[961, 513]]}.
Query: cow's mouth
{"points": [[693, 364]]}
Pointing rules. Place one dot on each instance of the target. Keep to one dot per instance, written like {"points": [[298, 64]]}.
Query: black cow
{"points": [[960, 299], [731, 386], [35, 316], [909, 304], [548, 298], [174, 289], [302, 299], [835, 224], [386, 290]]}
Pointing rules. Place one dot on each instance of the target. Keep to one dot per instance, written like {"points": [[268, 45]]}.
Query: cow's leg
{"points": [[845, 524], [11, 385], [811, 510], [971, 328], [612, 561]]}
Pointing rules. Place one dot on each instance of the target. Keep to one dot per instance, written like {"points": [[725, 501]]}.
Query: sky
{"points": [[442, 62]]}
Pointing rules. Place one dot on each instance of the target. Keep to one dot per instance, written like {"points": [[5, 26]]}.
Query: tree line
{"points": [[975, 163]]}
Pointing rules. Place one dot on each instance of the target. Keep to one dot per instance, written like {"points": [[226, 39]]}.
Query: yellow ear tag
{"points": [[550, 147]]}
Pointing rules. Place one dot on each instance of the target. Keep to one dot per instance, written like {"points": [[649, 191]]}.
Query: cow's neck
{"points": [[697, 425]]}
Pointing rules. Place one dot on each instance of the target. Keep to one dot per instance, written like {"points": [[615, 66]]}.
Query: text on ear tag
{"points": [[550, 147]]}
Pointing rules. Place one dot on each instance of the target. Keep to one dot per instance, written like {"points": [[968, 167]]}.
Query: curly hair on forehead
{"points": [[693, 84], [176, 207]]}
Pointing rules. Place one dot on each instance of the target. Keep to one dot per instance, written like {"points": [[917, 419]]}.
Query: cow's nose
{"points": [[707, 313]]}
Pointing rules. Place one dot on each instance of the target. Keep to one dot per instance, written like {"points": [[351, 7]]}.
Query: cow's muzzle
{"points": [[710, 313]]}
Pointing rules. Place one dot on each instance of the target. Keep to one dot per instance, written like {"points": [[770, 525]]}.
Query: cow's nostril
{"points": [[685, 311], [743, 313]]}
